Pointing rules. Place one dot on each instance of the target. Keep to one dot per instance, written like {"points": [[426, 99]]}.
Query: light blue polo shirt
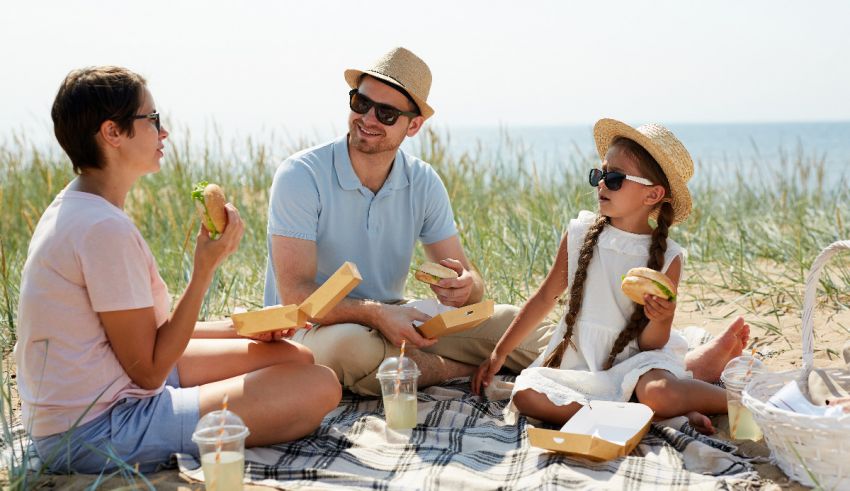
{"points": [[317, 196]]}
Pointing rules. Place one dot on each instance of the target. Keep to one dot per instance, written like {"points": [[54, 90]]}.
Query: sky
{"points": [[245, 67]]}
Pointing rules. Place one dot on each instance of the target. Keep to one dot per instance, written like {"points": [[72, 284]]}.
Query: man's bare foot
{"points": [[701, 423], [707, 361]]}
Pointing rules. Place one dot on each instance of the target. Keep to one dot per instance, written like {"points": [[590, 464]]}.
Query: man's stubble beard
{"points": [[384, 145]]}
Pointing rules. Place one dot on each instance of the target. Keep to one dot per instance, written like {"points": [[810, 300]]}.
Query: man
{"points": [[362, 199]]}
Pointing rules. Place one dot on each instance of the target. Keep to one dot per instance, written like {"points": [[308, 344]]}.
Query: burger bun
{"points": [[432, 273], [646, 281]]}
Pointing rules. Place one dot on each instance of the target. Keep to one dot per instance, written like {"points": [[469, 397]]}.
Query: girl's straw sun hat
{"points": [[667, 150]]}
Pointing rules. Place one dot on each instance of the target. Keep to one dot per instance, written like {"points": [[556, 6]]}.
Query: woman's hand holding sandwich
{"points": [[210, 253]]}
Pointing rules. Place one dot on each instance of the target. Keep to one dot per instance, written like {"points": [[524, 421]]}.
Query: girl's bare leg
{"points": [[536, 405], [669, 396]]}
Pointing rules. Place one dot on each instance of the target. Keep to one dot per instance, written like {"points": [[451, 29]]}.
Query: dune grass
{"points": [[753, 239]]}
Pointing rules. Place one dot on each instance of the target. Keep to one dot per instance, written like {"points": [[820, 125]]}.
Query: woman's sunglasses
{"points": [[385, 113], [153, 117], [613, 179]]}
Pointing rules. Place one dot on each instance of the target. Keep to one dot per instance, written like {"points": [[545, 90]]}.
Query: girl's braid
{"points": [[577, 290]]}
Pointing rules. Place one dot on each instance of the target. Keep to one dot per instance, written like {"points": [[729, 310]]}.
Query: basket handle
{"points": [[809, 300]]}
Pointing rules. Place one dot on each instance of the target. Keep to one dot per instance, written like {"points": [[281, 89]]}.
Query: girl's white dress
{"points": [[605, 312]]}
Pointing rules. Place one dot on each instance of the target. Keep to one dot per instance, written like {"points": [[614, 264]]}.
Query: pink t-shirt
{"points": [[86, 256]]}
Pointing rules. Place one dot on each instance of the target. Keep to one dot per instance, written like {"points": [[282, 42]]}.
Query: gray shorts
{"points": [[146, 431]]}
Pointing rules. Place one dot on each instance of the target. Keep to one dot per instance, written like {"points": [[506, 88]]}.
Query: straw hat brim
{"points": [[352, 77], [605, 131]]}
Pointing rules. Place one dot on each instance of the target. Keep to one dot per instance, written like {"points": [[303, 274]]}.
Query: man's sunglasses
{"points": [[153, 117], [385, 113], [613, 179]]}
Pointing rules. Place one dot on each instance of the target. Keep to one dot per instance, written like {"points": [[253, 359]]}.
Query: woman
{"points": [[105, 368]]}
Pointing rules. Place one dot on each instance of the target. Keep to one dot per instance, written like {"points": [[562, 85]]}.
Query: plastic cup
{"points": [[220, 436], [737, 374], [398, 388]]}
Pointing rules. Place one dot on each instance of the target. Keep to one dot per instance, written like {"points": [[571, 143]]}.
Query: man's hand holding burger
{"points": [[449, 281]]}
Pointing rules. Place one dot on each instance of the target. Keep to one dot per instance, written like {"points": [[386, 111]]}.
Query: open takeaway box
{"points": [[447, 320], [601, 430], [316, 306]]}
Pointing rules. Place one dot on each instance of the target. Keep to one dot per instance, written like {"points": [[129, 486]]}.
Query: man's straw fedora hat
{"points": [[403, 69], [667, 150]]}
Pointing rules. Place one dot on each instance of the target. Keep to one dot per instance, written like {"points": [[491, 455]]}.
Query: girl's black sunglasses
{"points": [[613, 179]]}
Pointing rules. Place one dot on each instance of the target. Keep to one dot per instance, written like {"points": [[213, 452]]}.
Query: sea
{"points": [[816, 152], [721, 151]]}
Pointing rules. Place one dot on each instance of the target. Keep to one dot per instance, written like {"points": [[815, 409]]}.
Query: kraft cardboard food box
{"points": [[316, 306], [275, 318], [449, 320], [602, 430]]}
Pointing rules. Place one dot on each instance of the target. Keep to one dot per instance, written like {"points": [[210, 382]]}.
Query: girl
{"points": [[607, 347], [105, 371]]}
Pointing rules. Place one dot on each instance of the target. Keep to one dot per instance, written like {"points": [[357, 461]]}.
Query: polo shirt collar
{"points": [[349, 181], [398, 174]]}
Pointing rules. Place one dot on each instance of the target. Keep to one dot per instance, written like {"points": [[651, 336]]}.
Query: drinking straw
{"points": [[752, 360], [218, 442], [398, 372], [746, 377]]}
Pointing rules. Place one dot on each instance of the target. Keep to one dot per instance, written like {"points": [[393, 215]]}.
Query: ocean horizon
{"points": [[716, 148], [720, 150]]}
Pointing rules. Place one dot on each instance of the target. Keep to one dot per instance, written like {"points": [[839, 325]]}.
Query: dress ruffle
{"points": [[563, 387]]}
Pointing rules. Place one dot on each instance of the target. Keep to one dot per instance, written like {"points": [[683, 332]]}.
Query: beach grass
{"points": [[751, 237]]}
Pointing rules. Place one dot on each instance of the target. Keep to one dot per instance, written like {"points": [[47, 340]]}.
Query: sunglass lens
{"points": [[157, 123], [386, 115], [360, 103], [594, 177], [614, 180]]}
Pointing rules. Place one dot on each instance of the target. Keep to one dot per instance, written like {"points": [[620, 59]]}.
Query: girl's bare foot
{"points": [[707, 361], [701, 423]]}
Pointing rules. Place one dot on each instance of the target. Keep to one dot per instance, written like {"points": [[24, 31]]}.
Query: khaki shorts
{"points": [[354, 351]]}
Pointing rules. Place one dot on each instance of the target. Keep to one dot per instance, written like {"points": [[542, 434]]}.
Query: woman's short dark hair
{"points": [[88, 97]]}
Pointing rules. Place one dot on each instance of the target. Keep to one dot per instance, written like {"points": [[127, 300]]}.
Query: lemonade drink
{"points": [[226, 474], [737, 374], [400, 410], [741, 422], [398, 377], [220, 436]]}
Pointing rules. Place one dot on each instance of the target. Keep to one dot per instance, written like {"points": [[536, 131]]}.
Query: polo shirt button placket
{"points": [[369, 213]]}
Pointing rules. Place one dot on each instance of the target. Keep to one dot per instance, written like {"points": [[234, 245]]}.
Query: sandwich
{"points": [[209, 201], [432, 273], [646, 281]]}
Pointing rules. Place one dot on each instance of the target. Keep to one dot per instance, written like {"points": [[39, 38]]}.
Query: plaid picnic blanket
{"points": [[462, 442]]}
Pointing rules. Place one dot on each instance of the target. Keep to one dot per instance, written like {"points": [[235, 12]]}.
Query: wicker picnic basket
{"points": [[814, 450]]}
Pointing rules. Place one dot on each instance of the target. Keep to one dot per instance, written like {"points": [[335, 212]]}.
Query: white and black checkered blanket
{"points": [[462, 442]]}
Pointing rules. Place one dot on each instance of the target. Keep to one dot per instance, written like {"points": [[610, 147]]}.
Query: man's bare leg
{"points": [[707, 361], [436, 369]]}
